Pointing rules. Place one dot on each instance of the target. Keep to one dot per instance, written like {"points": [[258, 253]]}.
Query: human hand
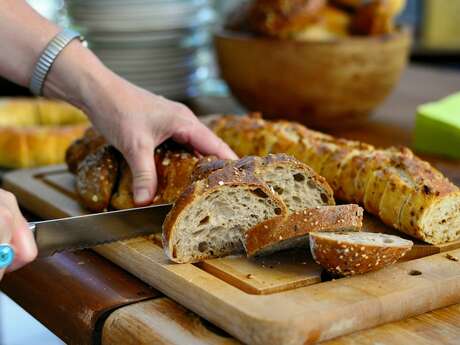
{"points": [[15, 231], [136, 121], [132, 119]]}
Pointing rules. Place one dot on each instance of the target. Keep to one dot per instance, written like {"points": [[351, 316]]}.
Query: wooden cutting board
{"points": [[277, 300]]}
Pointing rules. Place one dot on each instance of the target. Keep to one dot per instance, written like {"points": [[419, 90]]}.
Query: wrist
{"points": [[77, 76]]}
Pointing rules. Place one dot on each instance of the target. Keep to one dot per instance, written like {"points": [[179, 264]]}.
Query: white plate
{"points": [[202, 17]]}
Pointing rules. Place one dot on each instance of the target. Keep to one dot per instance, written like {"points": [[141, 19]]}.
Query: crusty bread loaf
{"points": [[80, 148], [332, 23], [87, 156], [395, 185], [293, 182], [96, 178], [294, 231], [174, 166], [376, 17], [282, 18], [36, 132], [345, 254], [211, 216]]}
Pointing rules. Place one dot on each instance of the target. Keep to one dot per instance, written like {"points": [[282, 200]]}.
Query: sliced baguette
{"points": [[294, 231], [211, 216], [346, 254], [410, 194]]}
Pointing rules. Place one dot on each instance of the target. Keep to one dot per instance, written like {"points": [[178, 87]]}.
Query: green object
{"points": [[437, 127]]}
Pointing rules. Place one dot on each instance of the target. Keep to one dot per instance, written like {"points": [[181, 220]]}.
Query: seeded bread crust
{"points": [[343, 256], [294, 232], [174, 168], [257, 165], [80, 148], [214, 182], [358, 173], [96, 178], [88, 156]]}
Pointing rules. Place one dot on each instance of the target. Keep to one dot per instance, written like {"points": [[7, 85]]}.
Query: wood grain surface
{"points": [[391, 125], [70, 296], [303, 315], [163, 321]]}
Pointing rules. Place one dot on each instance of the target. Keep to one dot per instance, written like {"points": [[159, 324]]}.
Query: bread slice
{"points": [[296, 183], [212, 215], [293, 233], [346, 254]]}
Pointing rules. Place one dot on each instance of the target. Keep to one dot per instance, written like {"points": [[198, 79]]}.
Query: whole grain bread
{"points": [[96, 178], [295, 182], [293, 233], [346, 254], [212, 215], [404, 191], [292, 182]]}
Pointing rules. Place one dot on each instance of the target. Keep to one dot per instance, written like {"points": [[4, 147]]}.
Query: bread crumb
{"points": [[249, 276], [452, 257]]}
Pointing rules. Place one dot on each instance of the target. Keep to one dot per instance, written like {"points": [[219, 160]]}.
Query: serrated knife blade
{"points": [[87, 231]]}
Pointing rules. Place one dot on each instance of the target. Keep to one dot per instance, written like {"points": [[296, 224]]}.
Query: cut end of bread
{"points": [[213, 224], [441, 222], [293, 233], [346, 254]]}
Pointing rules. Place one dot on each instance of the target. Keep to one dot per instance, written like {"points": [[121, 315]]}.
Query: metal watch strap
{"points": [[49, 55]]}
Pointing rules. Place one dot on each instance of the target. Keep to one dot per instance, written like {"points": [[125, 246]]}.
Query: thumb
{"points": [[142, 164]]}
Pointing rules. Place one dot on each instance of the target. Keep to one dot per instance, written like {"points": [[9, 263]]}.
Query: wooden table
{"points": [[85, 299]]}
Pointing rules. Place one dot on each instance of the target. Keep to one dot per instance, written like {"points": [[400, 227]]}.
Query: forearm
{"points": [[24, 34], [76, 75]]}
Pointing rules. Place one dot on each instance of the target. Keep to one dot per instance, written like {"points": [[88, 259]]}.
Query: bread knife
{"points": [[87, 231]]}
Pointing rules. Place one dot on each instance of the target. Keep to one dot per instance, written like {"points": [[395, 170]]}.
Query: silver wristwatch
{"points": [[46, 60]]}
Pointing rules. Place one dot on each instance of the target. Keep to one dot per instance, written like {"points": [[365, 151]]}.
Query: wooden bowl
{"points": [[322, 84]]}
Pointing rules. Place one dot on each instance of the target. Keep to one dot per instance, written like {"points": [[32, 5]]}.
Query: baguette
{"points": [[82, 147], [211, 216], [293, 233], [393, 184], [295, 184], [346, 254], [96, 178], [174, 166]]}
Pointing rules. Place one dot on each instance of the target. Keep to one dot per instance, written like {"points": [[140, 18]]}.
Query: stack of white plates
{"points": [[161, 45]]}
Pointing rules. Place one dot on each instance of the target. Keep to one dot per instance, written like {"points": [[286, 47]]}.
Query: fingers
{"points": [[14, 230], [192, 132], [142, 164]]}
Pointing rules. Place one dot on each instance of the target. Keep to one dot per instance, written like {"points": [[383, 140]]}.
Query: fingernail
{"points": [[142, 196]]}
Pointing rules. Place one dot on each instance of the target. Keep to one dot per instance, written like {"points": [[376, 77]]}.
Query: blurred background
{"points": [[166, 47]]}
